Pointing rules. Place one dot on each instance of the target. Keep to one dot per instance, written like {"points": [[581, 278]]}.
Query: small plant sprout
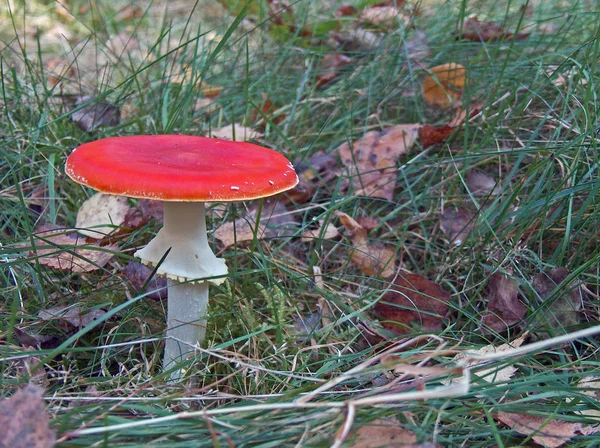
{"points": [[183, 172]]}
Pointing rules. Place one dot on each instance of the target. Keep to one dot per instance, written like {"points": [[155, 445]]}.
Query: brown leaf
{"points": [[371, 160], [330, 233], [320, 168], [268, 109], [138, 275], [478, 31], [62, 9], [345, 10], [460, 116], [417, 48], [504, 307], [302, 192], [58, 248], [590, 386], [384, 16], [59, 69], [368, 222], [210, 91], [27, 338], [496, 374], [443, 85], [355, 40], [413, 302], [235, 132], [383, 433], [480, 184], [129, 12], [24, 421], [101, 215], [95, 114], [565, 306], [376, 259], [31, 367], [122, 43], [306, 325], [74, 315], [550, 433], [153, 209], [432, 135], [275, 221], [317, 171], [457, 224], [330, 66]]}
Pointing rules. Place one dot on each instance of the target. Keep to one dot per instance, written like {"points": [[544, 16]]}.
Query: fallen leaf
{"points": [[275, 221], [413, 303], [235, 132], [478, 31], [504, 306], [371, 160], [24, 421], [590, 386], [493, 374], [153, 209], [355, 40], [345, 10], [330, 67], [443, 84], [548, 28], [564, 309], [306, 325], [416, 49], [59, 248], [384, 16], [62, 10], [31, 367], [550, 433], [302, 192], [73, 314], [95, 114], [27, 338], [101, 215], [372, 258], [430, 135], [368, 222], [122, 43], [382, 433], [59, 69], [461, 115], [267, 109], [210, 91], [129, 12], [320, 169], [480, 184], [329, 233], [138, 275], [457, 224]]}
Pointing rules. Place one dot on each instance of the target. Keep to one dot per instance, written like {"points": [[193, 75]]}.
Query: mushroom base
{"points": [[186, 321]]}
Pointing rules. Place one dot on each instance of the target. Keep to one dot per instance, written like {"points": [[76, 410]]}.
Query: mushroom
{"points": [[183, 172]]}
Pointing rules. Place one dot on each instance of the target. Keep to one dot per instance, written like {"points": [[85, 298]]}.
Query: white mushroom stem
{"points": [[186, 321], [189, 267]]}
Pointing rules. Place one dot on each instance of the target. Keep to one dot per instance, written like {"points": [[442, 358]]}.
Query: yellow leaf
{"points": [[443, 85]]}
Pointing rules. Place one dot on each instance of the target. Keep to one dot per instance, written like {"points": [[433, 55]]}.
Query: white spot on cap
{"points": [[271, 182], [233, 187]]}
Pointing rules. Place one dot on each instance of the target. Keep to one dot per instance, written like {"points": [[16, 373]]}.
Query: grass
{"points": [[535, 136]]}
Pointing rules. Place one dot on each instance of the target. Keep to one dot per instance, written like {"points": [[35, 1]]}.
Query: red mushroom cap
{"points": [[181, 168]]}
